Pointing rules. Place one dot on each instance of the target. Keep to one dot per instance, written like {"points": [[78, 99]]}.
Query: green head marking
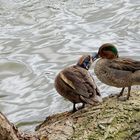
{"points": [[110, 47], [114, 50]]}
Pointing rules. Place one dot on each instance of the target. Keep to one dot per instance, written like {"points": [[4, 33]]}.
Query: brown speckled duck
{"points": [[77, 85], [116, 71]]}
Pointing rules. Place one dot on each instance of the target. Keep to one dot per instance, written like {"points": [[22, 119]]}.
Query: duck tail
{"points": [[136, 78], [93, 100]]}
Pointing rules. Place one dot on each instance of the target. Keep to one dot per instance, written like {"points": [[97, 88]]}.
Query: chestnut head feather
{"points": [[85, 61], [108, 51]]}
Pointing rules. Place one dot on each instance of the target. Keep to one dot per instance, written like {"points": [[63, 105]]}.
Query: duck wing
{"points": [[80, 81], [125, 64]]}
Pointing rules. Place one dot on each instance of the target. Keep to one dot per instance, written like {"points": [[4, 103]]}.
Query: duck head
{"points": [[85, 61], [108, 51]]}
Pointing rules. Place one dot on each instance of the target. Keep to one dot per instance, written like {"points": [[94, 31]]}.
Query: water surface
{"points": [[38, 38]]}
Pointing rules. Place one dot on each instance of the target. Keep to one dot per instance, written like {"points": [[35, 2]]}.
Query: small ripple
{"points": [[11, 68]]}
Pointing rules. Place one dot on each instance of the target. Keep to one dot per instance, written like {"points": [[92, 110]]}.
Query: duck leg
{"points": [[128, 94], [74, 108], [121, 93]]}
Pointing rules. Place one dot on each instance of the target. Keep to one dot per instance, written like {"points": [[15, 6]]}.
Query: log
{"points": [[9, 131]]}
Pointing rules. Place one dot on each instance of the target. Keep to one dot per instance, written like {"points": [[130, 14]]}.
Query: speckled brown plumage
{"points": [[116, 71], [76, 84]]}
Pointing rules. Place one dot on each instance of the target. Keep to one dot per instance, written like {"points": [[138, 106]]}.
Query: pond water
{"points": [[38, 38]]}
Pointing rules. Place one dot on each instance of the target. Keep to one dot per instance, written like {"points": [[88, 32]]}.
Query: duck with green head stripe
{"points": [[116, 71]]}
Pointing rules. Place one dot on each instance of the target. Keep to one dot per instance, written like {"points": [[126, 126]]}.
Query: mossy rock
{"points": [[112, 120]]}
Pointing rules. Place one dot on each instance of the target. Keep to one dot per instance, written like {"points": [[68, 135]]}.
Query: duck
{"points": [[76, 84], [116, 71]]}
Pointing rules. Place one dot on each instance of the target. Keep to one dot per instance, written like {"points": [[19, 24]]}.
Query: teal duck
{"points": [[77, 85], [116, 71]]}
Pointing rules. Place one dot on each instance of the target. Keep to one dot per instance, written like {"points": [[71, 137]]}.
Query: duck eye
{"points": [[110, 48]]}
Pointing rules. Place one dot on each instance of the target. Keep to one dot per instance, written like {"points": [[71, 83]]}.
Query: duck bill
{"points": [[95, 56]]}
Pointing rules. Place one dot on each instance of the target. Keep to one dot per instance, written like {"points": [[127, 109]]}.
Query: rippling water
{"points": [[38, 38]]}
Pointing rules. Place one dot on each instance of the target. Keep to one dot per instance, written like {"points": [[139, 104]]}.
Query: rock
{"points": [[112, 120]]}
